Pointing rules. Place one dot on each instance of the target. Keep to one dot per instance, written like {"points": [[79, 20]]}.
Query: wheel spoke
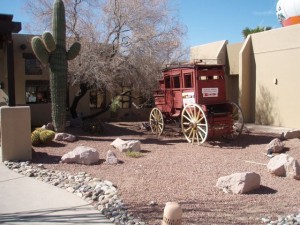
{"points": [[193, 136], [190, 117], [187, 118], [194, 124], [156, 121], [201, 129], [199, 120], [199, 132], [197, 137], [186, 130]]}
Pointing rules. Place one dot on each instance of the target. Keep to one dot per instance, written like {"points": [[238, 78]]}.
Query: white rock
{"points": [[291, 134], [275, 145], [239, 183], [111, 158], [82, 155], [124, 146], [284, 165], [65, 137]]}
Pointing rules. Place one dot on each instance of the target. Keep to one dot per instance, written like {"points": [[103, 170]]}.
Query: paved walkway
{"points": [[25, 200], [267, 129]]}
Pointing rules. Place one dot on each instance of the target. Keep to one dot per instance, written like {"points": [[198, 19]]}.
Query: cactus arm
{"points": [[73, 51], [40, 50], [49, 41]]}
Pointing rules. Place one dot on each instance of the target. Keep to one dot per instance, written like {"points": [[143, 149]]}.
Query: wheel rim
{"points": [[237, 122], [194, 124], [156, 121]]}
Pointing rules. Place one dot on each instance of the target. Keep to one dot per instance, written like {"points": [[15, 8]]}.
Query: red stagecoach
{"points": [[196, 94]]}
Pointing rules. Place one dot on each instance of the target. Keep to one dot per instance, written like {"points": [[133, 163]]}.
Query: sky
{"points": [[206, 20]]}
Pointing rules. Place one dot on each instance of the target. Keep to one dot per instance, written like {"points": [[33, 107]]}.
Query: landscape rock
{"points": [[82, 155], [284, 165], [239, 183], [275, 146], [291, 134], [144, 126], [111, 158], [50, 126], [124, 146], [65, 137]]}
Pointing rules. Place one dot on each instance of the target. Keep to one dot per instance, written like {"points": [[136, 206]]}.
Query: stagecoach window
{"points": [[167, 82], [176, 82], [214, 77], [188, 80]]}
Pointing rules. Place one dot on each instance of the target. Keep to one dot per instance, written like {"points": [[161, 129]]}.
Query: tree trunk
{"points": [[80, 94]]}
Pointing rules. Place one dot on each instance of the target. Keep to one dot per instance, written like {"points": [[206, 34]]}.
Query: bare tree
{"points": [[124, 42]]}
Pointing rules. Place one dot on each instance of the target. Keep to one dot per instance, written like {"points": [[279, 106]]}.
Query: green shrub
{"points": [[133, 154], [46, 136]]}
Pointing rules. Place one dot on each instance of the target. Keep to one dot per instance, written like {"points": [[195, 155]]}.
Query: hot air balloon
{"points": [[288, 12]]}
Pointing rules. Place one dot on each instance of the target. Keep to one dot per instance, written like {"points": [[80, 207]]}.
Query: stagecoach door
{"points": [[168, 95]]}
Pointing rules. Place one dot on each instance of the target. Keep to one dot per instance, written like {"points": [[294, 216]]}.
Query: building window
{"points": [[37, 91], [97, 99], [32, 64]]}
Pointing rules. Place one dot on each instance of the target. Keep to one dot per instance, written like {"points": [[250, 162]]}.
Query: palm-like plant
{"points": [[258, 29]]}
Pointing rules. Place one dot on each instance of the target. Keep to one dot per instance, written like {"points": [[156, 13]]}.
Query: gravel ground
{"points": [[171, 169]]}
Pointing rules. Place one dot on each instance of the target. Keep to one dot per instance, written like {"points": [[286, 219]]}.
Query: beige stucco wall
{"points": [[232, 70], [40, 113], [214, 52], [271, 55], [3, 76], [15, 133], [233, 57], [247, 81], [19, 61]]}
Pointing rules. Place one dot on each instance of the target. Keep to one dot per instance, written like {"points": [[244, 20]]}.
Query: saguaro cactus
{"points": [[51, 49]]}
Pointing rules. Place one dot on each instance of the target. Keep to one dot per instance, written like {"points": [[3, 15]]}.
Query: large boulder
{"points": [[239, 183], [275, 146], [284, 165], [124, 146], [81, 155]]}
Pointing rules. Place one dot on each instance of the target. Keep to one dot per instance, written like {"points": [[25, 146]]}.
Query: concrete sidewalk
{"points": [[266, 129], [25, 200]]}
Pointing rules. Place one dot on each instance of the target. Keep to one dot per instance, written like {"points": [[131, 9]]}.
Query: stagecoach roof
{"points": [[191, 66]]}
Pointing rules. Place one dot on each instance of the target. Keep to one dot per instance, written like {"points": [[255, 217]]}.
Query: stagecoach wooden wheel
{"points": [[194, 124], [238, 122], [156, 121]]}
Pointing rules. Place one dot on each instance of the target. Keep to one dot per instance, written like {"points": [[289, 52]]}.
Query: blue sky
{"points": [[206, 20]]}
